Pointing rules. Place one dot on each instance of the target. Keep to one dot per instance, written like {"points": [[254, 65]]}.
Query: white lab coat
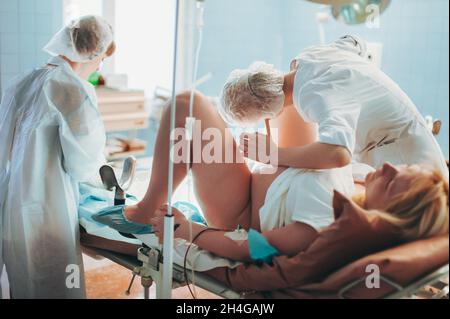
{"points": [[51, 138], [359, 107]]}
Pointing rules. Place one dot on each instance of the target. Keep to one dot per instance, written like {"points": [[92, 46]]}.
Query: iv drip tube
{"points": [[167, 267], [190, 120]]}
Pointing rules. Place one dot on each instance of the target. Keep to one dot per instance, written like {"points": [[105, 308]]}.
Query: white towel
{"points": [[273, 213], [197, 259]]}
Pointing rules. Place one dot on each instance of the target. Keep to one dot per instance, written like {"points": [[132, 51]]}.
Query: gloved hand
{"points": [[259, 247], [114, 217]]}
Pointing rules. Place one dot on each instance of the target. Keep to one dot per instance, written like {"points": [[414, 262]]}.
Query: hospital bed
{"points": [[145, 261], [146, 264], [142, 255]]}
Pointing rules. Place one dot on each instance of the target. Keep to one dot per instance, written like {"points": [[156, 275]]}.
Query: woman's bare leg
{"points": [[223, 189], [260, 186]]}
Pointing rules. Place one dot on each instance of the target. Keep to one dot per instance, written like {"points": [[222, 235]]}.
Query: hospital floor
{"points": [[107, 280]]}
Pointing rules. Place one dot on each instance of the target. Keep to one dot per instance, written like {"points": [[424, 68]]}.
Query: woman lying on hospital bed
{"points": [[412, 198], [289, 207], [360, 112]]}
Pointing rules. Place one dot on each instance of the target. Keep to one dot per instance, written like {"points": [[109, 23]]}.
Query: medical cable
{"points": [[186, 255], [190, 120]]}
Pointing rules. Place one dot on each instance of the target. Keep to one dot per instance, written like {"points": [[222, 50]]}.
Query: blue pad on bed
{"points": [[114, 217], [259, 247], [191, 212]]}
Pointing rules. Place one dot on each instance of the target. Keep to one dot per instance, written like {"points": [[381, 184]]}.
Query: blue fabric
{"points": [[94, 199], [259, 247], [190, 210], [91, 201], [114, 217], [96, 212]]}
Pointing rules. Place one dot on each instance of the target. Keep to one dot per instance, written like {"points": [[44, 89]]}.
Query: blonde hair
{"points": [[420, 212]]}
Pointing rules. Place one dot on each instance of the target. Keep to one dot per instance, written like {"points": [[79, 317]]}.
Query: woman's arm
{"points": [[292, 239], [214, 242], [289, 240], [312, 156]]}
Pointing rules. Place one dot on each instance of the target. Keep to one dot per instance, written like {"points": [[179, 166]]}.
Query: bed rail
{"points": [[147, 267], [436, 280]]}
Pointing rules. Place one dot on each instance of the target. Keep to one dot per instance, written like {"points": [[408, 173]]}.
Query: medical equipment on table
{"points": [[110, 182]]}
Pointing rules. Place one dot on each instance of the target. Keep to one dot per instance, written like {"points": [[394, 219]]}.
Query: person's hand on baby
{"points": [[158, 220], [258, 147]]}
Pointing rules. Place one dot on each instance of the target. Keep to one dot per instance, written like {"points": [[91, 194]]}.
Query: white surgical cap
{"points": [[355, 44], [82, 40], [251, 95]]}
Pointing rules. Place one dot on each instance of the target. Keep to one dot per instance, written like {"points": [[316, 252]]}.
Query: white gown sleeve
{"points": [[331, 105]]}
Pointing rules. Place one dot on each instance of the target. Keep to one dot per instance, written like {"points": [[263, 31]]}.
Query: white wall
{"points": [[144, 34], [25, 27], [74, 9]]}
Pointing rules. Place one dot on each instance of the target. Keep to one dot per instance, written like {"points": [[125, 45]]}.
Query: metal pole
{"points": [[169, 219]]}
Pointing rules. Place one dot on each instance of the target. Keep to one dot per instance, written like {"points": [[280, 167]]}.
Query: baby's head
{"points": [[252, 95]]}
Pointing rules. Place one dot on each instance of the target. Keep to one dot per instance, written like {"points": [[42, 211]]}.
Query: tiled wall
{"points": [[415, 35], [25, 27], [238, 32]]}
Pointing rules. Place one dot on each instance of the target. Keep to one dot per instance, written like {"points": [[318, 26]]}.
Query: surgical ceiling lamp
{"points": [[354, 11]]}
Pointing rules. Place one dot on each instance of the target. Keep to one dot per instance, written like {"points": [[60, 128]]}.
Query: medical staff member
{"points": [[362, 114], [51, 138]]}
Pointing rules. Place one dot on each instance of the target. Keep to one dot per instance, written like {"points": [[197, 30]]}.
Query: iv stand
{"points": [[167, 266]]}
